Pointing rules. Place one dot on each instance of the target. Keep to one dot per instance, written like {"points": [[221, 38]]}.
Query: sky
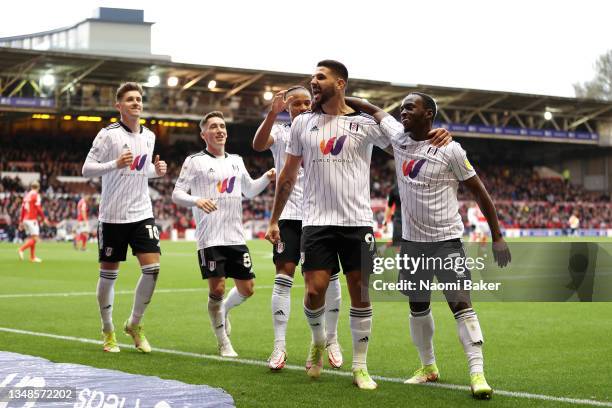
{"points": [[536, 46]]}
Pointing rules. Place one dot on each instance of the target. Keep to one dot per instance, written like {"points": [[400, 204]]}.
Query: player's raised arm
{"points": [[478, 190], [366, 107], [284, 186], [263, 139], [250, 187]]}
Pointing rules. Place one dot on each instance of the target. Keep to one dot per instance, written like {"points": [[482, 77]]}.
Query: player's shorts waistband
{"points": [[432, 242]]}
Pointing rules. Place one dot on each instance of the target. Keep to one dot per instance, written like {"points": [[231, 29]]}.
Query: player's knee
{"points": [[217, 292], [314, 294], [460, 305], [247, 291], [418, 307]]}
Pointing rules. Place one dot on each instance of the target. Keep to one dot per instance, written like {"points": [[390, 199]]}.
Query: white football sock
{"points": [[361, 330], [333, 300], [471, 338], [281, 307], [144, 292], [106, 294], [421, 331], [315, 321], [233, 299], [217, 318]]}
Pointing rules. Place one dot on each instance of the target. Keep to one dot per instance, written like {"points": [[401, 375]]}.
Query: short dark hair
{"points": [[336, 67], [429, 103], [127, 87], [210, 115], [296, 87]]}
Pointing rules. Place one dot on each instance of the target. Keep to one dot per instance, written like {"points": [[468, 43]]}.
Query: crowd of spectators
{"points": [[522, 198]]}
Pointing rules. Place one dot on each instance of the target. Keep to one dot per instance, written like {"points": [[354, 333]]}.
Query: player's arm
{"points": [[98, 163], [361, 105], [181, 195], [440, 136], [284, 186], [263, 139], [250, 187], [480, 193], [389, 212]]}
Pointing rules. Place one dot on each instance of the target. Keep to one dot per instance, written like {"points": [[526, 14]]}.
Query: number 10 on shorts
{"points": [[153, 231]]}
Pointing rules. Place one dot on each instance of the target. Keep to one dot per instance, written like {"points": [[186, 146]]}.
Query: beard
{"points": [[324, 96]]}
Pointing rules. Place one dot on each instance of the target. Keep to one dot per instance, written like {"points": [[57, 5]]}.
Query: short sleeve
{"points": [[377, 136], [459, 163], [392, 129], [294, 147], [100, 147]]}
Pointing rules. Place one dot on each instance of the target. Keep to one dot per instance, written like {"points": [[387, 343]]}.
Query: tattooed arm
{"points": [[284, 186]]}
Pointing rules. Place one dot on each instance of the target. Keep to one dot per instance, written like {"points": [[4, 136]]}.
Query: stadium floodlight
{"points": [[212, 84], [268, 95], [153, 80], [172, 81], [48, 80], [548, 115]]}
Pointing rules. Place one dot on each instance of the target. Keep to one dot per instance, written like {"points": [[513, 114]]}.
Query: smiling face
{"points": [[301, 102], [413, 113], [214, 133], [325, 85], [130, 105]]}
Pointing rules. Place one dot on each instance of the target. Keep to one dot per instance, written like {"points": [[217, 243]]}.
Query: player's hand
{"points": [[206, 205], [501, 253], [441, 137], [279, 103], [20, 226], [273, 233], [125, 159], [160, 166], [271, 174]]}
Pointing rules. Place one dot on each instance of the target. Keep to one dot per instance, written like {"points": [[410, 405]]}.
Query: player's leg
{"points": [[468, 326], [238, 265], [316, 282], [285, 255], [144, 240], [216, 313], [356, 250], [112, 250], [319, 259], [333, 301], [421, 322]]}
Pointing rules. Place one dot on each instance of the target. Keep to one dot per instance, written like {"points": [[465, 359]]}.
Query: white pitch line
{"points": [[118, 292], [259, 363]]}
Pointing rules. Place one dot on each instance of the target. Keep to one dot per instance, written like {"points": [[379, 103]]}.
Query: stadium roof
{"points": [[19, 68]]}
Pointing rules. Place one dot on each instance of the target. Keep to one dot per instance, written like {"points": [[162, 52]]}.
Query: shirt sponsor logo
{"points": [[227, 185], [139, 162], [333, 145], [412, 167]]}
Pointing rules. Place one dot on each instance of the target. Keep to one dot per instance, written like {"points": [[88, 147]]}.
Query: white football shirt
{"points": [[125, 192], [223, 180], [280, 134], [428, 178], [336, 153]]}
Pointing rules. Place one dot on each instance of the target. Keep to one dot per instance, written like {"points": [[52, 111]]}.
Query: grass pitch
{"points": [[540, 351]]}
